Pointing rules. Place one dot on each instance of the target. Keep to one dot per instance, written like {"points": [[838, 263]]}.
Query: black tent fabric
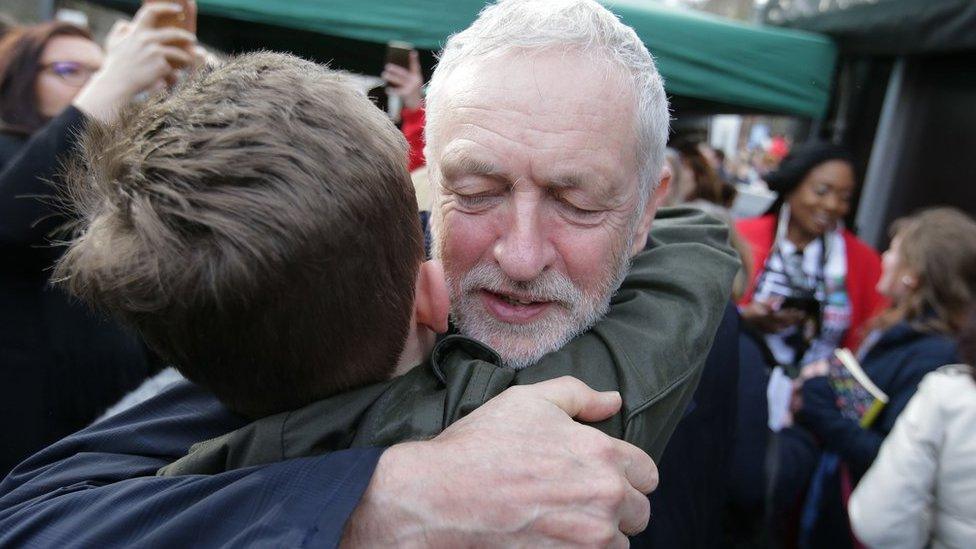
{"points": [[897, 27]]}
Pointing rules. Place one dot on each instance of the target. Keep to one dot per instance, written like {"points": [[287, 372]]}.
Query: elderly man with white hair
{"points": [[546, 128]]}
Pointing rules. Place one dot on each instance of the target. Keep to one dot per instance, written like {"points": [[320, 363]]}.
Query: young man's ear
{"points": [[432, 302], [653, 203]]}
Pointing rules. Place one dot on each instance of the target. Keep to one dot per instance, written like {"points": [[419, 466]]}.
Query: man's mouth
{"points": [[513, 309], [515, 301]]}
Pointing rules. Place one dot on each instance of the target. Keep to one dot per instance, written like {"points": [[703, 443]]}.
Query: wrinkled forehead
{"points": [[559, 107], [542, 82]]}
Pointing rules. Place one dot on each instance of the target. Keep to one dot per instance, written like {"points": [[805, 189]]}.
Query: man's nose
{"points": [[523, 250]]}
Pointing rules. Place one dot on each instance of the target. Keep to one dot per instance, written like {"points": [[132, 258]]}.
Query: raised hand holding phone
{"points": [[139, 56], [402, 73], [185, 19]]}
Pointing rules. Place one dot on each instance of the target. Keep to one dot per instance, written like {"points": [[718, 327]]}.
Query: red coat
{"points": [[863, 272], [413, 130]]}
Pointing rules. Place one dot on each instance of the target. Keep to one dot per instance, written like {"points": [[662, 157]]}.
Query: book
{"points": [[857, 396]]}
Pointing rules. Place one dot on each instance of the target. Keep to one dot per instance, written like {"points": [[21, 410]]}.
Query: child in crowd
{"points": [[259, 228]]}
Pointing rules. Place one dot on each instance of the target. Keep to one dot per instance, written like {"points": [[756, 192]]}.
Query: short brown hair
{"points": [[258, 227], [939, 246], [20, 61]]}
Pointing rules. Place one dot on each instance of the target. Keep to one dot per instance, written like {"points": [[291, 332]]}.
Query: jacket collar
{"points": [[454, 342], [900, 334]]}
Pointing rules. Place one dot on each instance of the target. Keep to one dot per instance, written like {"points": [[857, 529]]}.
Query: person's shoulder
{"points": [[951, 379], [10, 144], [915, 351], [948, 388], [860, 250], [756, 225], [938, 345], [916, 339], [757, 231], [12, 138], [688, 225]]}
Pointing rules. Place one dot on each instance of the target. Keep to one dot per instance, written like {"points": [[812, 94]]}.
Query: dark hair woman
{"points": [[813, 287], [60, 364], [42, 68], [703, 181], [929, 275]]}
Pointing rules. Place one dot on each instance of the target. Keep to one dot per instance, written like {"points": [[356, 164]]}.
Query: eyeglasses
{"points": [[72, 72]]}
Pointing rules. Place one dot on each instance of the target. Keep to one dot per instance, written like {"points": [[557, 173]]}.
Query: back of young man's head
{"points": [[258, 227]]}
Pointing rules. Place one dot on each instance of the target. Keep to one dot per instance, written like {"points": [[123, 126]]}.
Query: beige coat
{"points": [[921, 489]]}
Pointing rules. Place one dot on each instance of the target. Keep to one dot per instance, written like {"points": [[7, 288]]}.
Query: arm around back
{"points": [[485, 478], [517, 471]]}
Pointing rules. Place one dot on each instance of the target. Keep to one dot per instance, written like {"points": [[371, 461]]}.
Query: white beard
{"points": [[519, 345]]}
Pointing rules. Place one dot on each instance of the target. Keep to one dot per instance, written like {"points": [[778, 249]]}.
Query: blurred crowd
{"points": [[64, 364], [810, 455]]}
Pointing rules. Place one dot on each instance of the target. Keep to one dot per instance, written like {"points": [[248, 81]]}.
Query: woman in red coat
{"points": [[813, 283]]}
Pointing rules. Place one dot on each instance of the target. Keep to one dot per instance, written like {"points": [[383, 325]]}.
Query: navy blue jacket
{"points": [[96, 488], [896, 364], [61, 365], [745, 504], [686, 508]]}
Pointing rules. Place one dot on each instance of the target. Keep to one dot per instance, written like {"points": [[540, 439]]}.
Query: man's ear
{"points": [[432, 301], [654, 202], [661, 192]]}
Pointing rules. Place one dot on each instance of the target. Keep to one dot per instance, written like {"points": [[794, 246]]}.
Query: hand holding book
{"points": [[858, 398]]}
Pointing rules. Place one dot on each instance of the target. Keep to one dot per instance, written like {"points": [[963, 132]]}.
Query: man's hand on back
{"points": [[517, 471]]}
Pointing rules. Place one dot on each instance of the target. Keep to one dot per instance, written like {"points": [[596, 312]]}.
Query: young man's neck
{"points": [[420, 342]]}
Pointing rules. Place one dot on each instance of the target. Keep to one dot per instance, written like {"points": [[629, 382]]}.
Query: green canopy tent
{"points": [[714, 64]]}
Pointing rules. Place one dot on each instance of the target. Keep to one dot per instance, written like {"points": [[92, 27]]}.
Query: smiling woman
{"points": [[814, 282]]}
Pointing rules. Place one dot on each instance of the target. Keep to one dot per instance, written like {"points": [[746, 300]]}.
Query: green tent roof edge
{"points": [[769, 69]]}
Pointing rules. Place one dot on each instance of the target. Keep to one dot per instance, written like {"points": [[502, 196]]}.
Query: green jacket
{"points": [[651, 346]]}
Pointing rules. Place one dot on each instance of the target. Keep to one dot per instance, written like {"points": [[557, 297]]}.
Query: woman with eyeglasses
{"points": [[61, 365], [42, 69]]}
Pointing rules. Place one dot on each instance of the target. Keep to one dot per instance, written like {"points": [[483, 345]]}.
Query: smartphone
{"points": [[807, 304], [398, 53], [186, 19]]}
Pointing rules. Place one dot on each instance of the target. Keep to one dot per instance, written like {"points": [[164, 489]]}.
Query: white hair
{"points": [[584, 24]]}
